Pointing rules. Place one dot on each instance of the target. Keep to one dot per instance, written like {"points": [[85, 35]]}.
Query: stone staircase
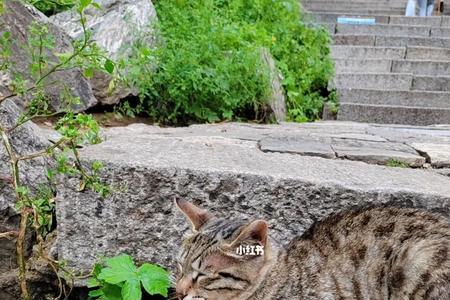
{"points": [[394, 71]]}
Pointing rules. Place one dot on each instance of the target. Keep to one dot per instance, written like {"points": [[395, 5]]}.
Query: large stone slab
{"points": [[354, 40], [402, 41], [367, 52], [362, 65], [377, 153], [149, 166], [385, 30], [438, 154], [421, 67], [17, 19], [431, 83], [378, 81], [434, 21], [389, 114], [303, 145], [115, 28], [428, 99], [428, 53]]}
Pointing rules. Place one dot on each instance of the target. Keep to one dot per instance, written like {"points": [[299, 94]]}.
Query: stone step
{"points": [[421, 67], [416, 67], [221, 168], [344, 51], [427, 53], [435, 21], [398, 41], [386, 114], [390, 41], [362, 65], [378, 81], [385, 30], [426, 99], [431, 83], [359, 11]]}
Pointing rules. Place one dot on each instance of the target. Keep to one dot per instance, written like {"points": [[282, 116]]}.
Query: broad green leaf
{"points": [[154, 279], [112, 292], [109, 66], [131, 290], [96, 293], [120, 268], [93, 282]]}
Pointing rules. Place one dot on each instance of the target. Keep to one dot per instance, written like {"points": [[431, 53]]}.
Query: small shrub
{"points": [[208, 65], [119, 278]]}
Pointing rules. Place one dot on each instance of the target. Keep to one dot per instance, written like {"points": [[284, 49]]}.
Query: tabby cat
{"points": [[372, 253]]}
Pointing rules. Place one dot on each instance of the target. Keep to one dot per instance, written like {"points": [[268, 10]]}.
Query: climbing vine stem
{"points": [[35, 205]]}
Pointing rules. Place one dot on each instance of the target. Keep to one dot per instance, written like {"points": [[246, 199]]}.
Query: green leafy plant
{"points": [[392, 162], [36, 206], [119, 278], [208, 65]]}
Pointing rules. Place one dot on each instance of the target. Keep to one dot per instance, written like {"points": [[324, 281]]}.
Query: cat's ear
{"points": [[196, 215], [255, 232]]}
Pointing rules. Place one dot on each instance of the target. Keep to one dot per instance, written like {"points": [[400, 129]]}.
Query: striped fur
{"points": [[373, 253]]}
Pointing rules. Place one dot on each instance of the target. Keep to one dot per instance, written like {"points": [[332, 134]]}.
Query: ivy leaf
{"points": [[120, 268], [131, 290], [112, 292], [109, 66], [154, 279]]}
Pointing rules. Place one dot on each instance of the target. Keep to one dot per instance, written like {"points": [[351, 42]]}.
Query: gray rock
{"points": [[303, 145], [377, 152], [17, 19], [115, 28], [276, 101], [25, 140], [228, 175], [438, 154]]}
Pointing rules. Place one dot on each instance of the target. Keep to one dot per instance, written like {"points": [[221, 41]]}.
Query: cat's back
{"points": [[374, 253]]}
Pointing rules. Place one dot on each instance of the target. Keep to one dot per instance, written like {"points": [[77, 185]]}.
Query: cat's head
{"points": [[216, 260]]}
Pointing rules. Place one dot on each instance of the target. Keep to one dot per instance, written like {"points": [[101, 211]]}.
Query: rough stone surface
{"points": [[367, 52], [362, 65], [221, 168], [438, 154], [428, 53], [277, 101], [385, 30], [17, 20], [431, 99], [392, 114], [25, 140], [378, 153], [379, 81], [298, 145], [119, 24]]}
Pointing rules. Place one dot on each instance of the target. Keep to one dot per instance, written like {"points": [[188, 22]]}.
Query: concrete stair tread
{"points": [[391, 114], [397, 60], [390, 40]]}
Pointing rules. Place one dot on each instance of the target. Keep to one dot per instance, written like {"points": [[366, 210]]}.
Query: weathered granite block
{"points": [[229, 176]]}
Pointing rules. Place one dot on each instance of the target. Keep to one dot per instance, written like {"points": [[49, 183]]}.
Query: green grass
{"points": [[208, 64]]}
